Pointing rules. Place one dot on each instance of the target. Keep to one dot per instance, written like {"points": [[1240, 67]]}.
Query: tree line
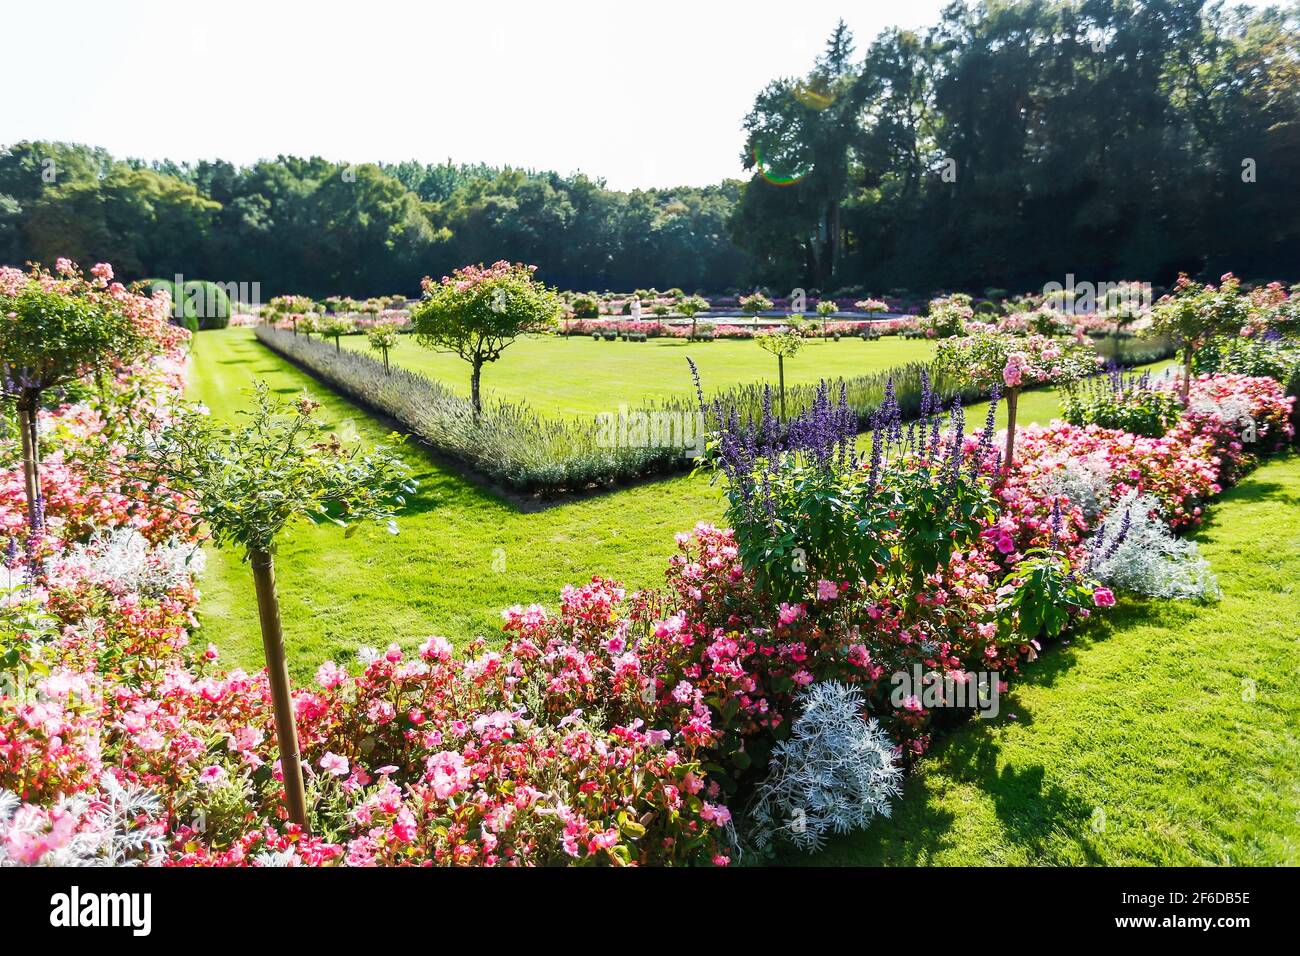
{"points": [[1008, 145], [321, 228]]}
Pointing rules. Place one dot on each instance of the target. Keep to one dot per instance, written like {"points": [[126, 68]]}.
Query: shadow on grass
{"points": [[1029, 811]]}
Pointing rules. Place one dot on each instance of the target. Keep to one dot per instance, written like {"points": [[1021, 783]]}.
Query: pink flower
{"points": [[1013, 373], [827, 590], [1103, 597], [447, 773], [334, 765], [715, 813], [789, 613], [329, 675]]}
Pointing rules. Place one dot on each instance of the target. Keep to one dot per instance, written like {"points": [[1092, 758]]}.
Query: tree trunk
{"points": [[1013, 395], [475, 376], [1187, 373], [31, 460], [277, 670], [385, 361], [780, 374]]}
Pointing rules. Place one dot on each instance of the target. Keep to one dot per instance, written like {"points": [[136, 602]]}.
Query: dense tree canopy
{"points": [[1014, 142], [1008, 145]]}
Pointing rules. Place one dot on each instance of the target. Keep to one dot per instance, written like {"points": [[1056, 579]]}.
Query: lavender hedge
{"points": [[514, 446]]}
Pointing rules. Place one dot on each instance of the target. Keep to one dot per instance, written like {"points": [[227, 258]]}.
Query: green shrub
{"points": [[1276, 358], [203, 305], [585, 306], [1131, 403]]}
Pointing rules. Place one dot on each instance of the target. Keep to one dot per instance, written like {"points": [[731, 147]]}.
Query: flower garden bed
{"points": [[661, 726], [474, 757]]}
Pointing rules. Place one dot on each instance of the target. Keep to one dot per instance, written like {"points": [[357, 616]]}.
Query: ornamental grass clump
{"points": [[1134, 550], [834, 774]]}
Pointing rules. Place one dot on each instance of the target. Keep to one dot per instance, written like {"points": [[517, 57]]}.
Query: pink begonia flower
{"points": [[436, 648], [329, 675], [334, 765], [447, 772], [245, 738], [715, 813], [789, 613], [150, 741], [404, 827], [1102, 597], [827, 590]]}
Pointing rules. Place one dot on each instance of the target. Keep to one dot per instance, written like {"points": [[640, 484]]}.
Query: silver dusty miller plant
{"points": [[107, 828], [1134, 550], [125, 557], [834, 774], [1084, 482]]}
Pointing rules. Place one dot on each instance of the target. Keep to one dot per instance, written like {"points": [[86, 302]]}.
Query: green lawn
{"points": [[578, 376], [1144, 741], [463, 553]]}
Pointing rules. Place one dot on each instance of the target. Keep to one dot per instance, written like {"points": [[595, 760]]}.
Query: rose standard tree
{"points": [[992, 361], [58, 328], [246, 484], [382, 337], [825, 309], [334, 327], [1193, 314], [755, 304], [478, 312], [691, 306], [782, 343]]}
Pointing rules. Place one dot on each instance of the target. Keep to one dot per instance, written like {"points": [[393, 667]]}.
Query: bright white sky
{"points": [[641, 92]]}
